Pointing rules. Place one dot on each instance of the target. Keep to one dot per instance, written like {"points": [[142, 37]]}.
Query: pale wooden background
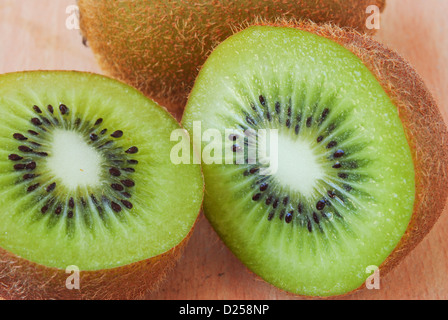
{"points": [[33, 36]]}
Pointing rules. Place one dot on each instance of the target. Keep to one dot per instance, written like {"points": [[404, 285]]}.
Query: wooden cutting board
{"points": [[33, 35]]}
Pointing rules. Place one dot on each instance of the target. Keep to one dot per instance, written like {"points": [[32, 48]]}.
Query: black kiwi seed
{"points": [[29, 176], [44, 209], [309, 226], [332, 144], [233, 137], [115, 172], [36, 121], [282, 214], [300, 208], [127, 195], [264, 187], [37, 109], [256, 197], [19, 167], [271, 215], [288, 123], [63, 108], [132, 161], [19, 137], [262, 101], [51, 187], [269, 201], [275, 205], [94, 199], [285, 201], [309, 122], [132, 150], [117, 134], [70, 215], [277, 107], [128, 183], [31, 166], [320, 205], [130, 170], [343, 175], [46, 121], [289, 216], [116, 207], [34, 133], [98, 122], [127, 204], [316, 218], [117, 187], [250, 121], [254, 170], [50, 108], [58, 210], [14, 157], [93, 137], [324, 115], [25, 149], [297, 129], [33, 187], [42, 154], [337, 165], [331, 194], [103, 132], [319, 139], [339, 154], [71, 203]]}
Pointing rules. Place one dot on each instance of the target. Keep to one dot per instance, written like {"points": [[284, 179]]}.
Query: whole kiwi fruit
{"points": [[361, 154], [158, 46], [92, 207]]}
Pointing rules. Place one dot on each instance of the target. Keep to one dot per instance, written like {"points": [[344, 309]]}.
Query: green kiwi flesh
{"points": [[344, 191], [85, 173]]}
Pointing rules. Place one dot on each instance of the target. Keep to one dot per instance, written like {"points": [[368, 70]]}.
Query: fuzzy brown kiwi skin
{"points": [[24, 280], [159, 48], [425, 129]]}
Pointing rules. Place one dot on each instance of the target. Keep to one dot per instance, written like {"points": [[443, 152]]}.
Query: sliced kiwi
{"points": [[344, 192], [86, 177]]}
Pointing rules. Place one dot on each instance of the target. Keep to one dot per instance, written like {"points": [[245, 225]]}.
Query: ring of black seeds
{"points": [[311, 215], [31, 152]]}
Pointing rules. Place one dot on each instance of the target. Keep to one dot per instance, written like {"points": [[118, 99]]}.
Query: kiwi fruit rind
{"points": [[86, 180], [362, 155], [158, 46]]}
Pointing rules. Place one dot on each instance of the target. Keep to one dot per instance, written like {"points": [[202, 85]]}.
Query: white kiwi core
{"points": [[73, 161], [297, 165]]}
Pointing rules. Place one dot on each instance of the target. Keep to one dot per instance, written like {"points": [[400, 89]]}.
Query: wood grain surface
{"points": [[33, 35]]}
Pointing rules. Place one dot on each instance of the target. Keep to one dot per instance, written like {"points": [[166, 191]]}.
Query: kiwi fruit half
{"points": [[86, 180], [158, 46], [360, 148]]}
